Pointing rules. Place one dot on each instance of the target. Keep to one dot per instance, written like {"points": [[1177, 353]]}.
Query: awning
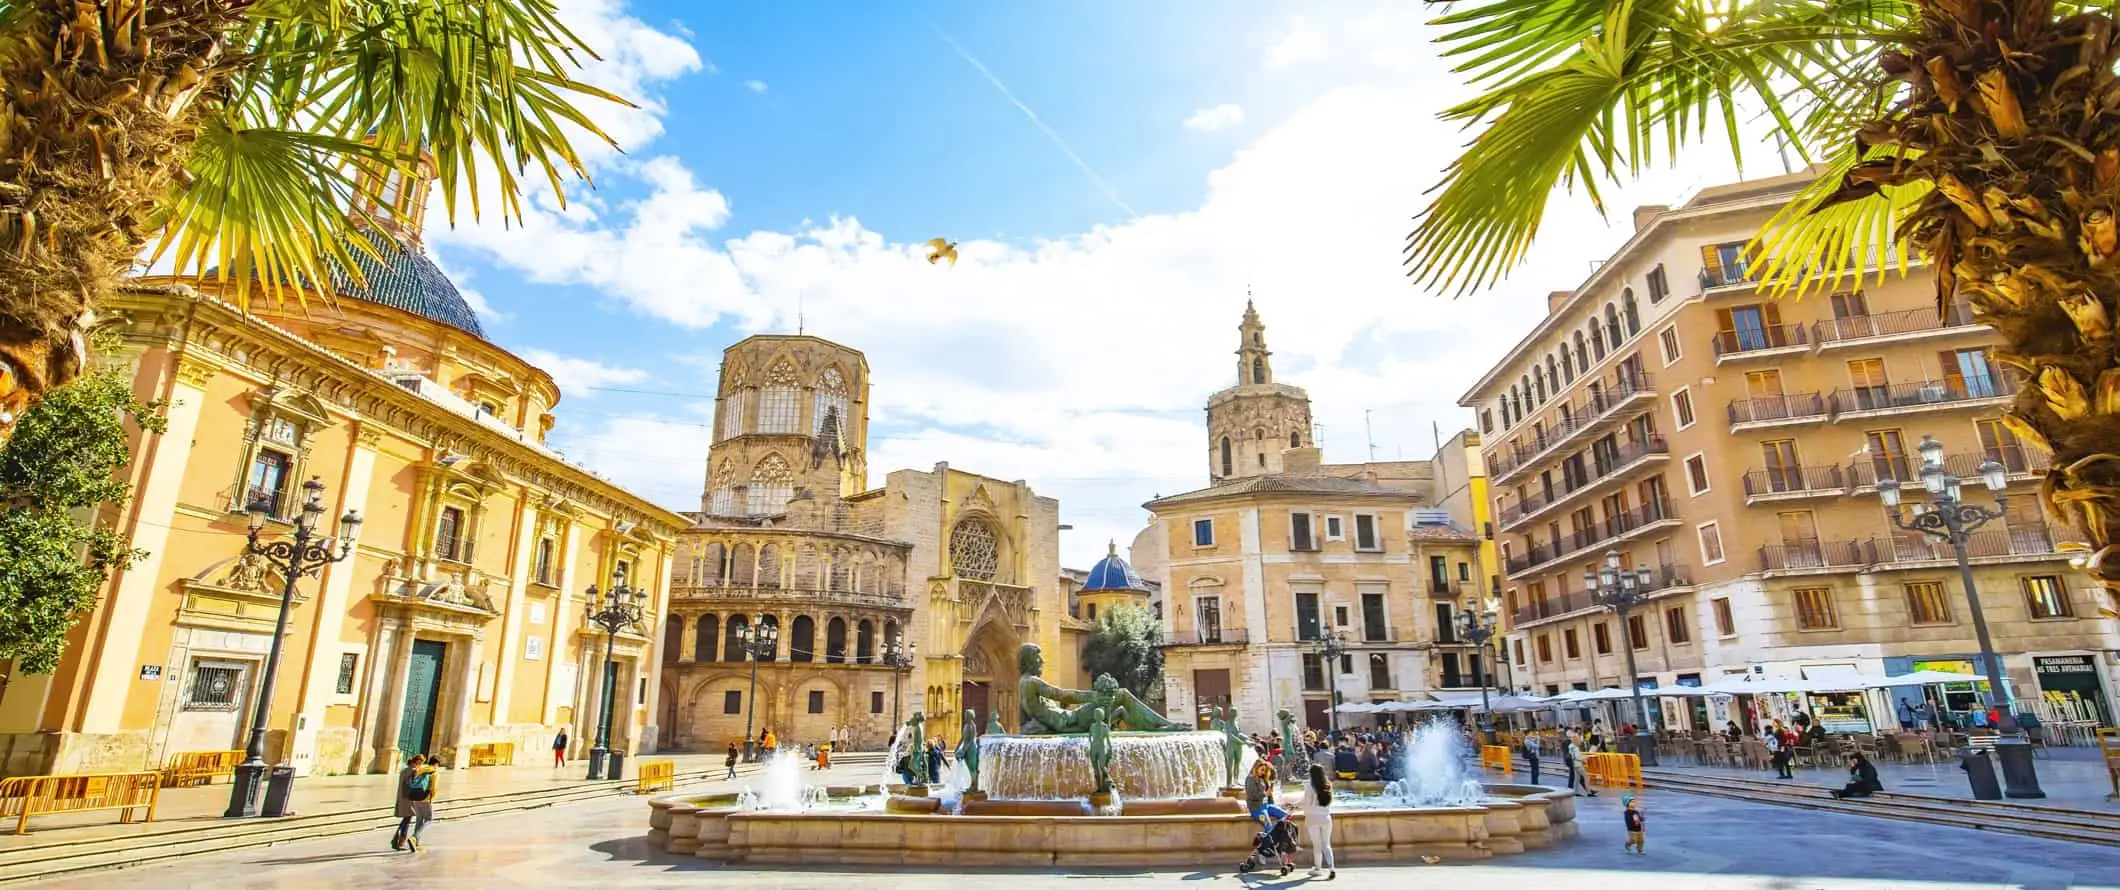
{"points": [[1924, 678], [1834, 678]]}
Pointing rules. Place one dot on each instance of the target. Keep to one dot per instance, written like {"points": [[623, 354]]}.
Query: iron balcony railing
{"points": [[1211, 635], [1919, 395], [2017, 460], [1911, 321], [1739, 272], [1667, 577], [1798, 555], [1762, 338], [1767, 409], [1605, 399], [2027, 540], [1584, 538], [1602, 465], [1794, 480]]}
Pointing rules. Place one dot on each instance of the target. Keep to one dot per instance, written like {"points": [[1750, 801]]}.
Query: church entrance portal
{"points": [[976, 701]]}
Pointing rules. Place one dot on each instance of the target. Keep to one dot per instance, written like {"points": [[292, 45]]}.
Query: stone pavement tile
{"points": [[1695, 843], [2071, 777]]}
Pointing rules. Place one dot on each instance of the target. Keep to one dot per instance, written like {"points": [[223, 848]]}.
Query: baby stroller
{"points": [[1274, 841]]}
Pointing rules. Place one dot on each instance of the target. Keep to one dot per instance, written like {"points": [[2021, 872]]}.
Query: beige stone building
{"points": [[962, 568], [1668, 410], [457, 620], [1281, 551]]}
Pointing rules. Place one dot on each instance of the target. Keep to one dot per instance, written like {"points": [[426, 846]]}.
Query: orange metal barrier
{"points": [[28, 796], [655, 775], [199, 767], [493, 754], [1496, 757]]}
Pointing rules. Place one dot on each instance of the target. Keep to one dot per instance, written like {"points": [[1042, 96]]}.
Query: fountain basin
{"points": [[1510, 819], [1145, 766]]}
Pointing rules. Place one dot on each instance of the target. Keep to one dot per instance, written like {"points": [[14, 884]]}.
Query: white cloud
{"points": [[580, 377], [1080, 363], [1220, 117], [756, 86], [1297, 43]]}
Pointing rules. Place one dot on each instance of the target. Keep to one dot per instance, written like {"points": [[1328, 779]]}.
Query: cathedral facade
{"points": [[953, 569]]}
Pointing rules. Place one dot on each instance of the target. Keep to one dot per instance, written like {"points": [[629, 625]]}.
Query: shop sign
{"points": [[2064, 664]]}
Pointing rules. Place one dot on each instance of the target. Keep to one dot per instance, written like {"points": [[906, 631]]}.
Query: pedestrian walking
{"points": [[1531, 754], [1317, 819], [559, 749], [1631, 811], [730, 762], [415, 802], [1578, 774]]}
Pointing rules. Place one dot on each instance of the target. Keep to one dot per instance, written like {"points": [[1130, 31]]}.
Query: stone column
{"points": [[329, 610], [455, 736], [511, 643], [563, 617], [382, 708]]}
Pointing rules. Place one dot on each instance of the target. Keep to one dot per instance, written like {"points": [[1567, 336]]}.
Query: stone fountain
{"points": [[1096, 778]]}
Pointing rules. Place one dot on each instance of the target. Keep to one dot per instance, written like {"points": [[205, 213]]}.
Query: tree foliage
{"points": [[1127, 644], [57, 476]]}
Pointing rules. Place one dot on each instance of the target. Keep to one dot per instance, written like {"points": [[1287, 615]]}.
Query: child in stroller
{"points": [[1276, 839]]}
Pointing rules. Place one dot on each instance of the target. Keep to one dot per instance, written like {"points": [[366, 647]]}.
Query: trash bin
{"points": [[279, 787], [615, 765], [1980, 773]]}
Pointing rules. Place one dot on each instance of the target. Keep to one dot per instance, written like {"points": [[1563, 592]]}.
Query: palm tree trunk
{"points": [[95, 113], [2014, 116]]}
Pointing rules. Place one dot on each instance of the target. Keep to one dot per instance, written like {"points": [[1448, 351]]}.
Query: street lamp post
{"points": [[1620, 590], [1333, 646], [304, 554], [1477, 627], [1954, 520], [613, 610], [898, 655], [760, 641]]}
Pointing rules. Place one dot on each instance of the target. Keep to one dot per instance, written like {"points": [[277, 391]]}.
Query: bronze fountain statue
{"points": [[1046, 711]]}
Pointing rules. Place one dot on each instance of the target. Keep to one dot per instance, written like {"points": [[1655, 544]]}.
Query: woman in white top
{"points": [[1317, 820]]}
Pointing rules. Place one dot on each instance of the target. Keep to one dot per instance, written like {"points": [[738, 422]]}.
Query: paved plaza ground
{"points": [[1695, 843], [2071, 777]]}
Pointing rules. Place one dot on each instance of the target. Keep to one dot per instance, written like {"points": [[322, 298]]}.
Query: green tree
{"points": [[1127, 643], [62, 470], [1981, 135], [231, 132]]}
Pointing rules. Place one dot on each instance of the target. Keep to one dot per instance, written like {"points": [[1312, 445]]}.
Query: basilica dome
{"points": [[1112, 573], [405, 278]]}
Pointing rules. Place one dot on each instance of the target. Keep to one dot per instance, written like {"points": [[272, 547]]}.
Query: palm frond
{"points": [[1810, 246]]}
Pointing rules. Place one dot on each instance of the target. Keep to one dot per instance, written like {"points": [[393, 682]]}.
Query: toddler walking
{"points": [[1633, 815]]}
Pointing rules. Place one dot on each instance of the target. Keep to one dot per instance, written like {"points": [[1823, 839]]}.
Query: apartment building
{"points": [[1282, 552], [1670, 411]]}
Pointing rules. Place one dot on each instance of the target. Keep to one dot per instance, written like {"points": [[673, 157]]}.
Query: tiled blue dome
{"points": [[1112, 573], [405, 278]]}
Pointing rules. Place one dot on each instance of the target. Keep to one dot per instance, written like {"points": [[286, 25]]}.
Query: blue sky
{"points": [[781, 157]]}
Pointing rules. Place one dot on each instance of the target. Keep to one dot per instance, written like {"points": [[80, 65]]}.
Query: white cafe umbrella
{"points": [[1923, 678]]}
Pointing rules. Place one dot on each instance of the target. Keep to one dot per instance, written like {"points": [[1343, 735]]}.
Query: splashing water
{"points": [[780, 787], [1433, 767], [1145, 766]]}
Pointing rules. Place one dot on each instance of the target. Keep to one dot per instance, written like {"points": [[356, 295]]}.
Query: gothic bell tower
{"points": [[1250, 425]]}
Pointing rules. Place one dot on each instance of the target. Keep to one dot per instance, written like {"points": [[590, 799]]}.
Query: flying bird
{"points": [[941, 249]]}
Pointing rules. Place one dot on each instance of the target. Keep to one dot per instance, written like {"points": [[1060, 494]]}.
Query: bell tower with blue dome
{"points": [[1251, 426], [1111, 582]]}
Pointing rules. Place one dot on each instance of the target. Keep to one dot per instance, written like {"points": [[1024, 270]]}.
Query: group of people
{"points": [[938, 756]]}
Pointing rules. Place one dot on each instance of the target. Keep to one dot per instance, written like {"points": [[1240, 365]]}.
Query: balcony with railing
{"points": [[1210, 635], [2013, 544], [1816, 557], [1605, 468], [1789, 409], [1606, 405], [1730, 275], [1908, 398], [1794, 483], [1451, 589], [1911, 324], [1612, 529], [1761, 342], [1567, 603], [2020, 464]]}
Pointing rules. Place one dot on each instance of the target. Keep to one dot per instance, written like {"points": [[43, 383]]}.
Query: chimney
{"points": [[1647, 212], [1555, 299], [1301, 460]]}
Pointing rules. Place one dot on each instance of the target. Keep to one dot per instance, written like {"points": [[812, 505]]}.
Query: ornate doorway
{"points": [[989, 681]]}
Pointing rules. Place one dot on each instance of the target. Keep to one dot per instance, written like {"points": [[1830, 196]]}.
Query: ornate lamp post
{"points": [[1954, 520], [613, 610], [1620, 590], [761, 641], [898, 655], [1330, 649], [304, 554], [1476, 626]]}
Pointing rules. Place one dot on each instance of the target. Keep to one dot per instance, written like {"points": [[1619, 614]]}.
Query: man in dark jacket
{"points": [[1862, 779]]}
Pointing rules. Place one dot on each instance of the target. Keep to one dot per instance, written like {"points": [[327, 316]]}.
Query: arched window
{"points": [[1582, 356], [1227, 467], [1634, 316], [830, 401], [772, 621], [890, 632], [722, 491], [780, 403], [715, 565], [1258, 370], [801, 643], [1529, 391], [841, 562], [1258, 339], [1295, 440], [975, 553], [1538, 386], [864, 642], [1612, 330], [772, 483], [768, 565], [835, 641], [743, 567], [1567, 365], [709, 634], [1553, 377], [1597, 339], [732, 638], [673, 639]]}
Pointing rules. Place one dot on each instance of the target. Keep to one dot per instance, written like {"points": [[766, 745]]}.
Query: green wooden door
{"points": [[423, 693]]}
